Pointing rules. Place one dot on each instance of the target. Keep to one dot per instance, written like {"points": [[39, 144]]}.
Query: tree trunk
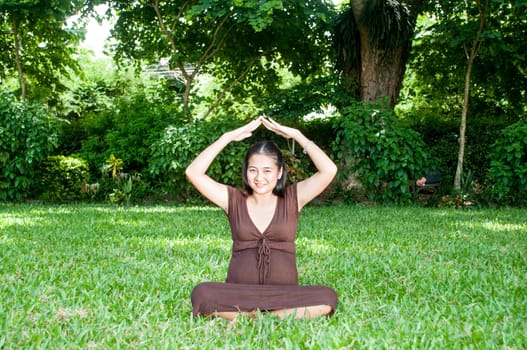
{"points": [[463, 126], [380, 72], [471, 56]]}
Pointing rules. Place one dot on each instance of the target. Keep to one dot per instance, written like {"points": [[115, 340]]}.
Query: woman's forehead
{"points": [[261, 161]]}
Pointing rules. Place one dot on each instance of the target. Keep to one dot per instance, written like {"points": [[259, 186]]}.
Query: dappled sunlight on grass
{"points": [[314, 246], [502, 227], [89, 276], [7, 220]]}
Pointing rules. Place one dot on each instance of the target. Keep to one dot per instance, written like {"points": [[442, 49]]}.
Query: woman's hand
{"points": [[245, 131], [280, 129]]}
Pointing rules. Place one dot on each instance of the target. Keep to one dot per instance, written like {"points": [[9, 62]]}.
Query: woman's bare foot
{"points": [[308, 312]]}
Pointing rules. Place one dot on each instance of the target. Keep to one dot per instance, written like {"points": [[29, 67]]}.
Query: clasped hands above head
{"points": [[247, 130]]}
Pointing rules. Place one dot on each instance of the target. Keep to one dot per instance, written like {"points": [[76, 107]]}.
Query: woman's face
{"points": [[262, 173]]}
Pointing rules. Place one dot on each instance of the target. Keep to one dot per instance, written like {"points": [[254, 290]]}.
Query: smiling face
{"points": [[262, 173], [263, 168]]}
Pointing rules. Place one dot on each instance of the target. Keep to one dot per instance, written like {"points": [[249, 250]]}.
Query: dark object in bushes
{"points": [[63, 178], [428, 184]]}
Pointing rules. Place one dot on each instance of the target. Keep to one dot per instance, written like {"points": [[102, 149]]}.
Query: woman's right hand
{"points": [[245, 131]]}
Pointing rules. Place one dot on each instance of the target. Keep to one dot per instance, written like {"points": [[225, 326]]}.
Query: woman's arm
{"points": [[197, 170], [326, 168]]}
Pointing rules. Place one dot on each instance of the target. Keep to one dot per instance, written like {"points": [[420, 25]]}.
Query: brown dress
{"points": [[262, 272]]}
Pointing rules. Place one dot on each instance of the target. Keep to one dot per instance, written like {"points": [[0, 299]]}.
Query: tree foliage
{"points": [[499, 79], [448, 73], [38, 44], [244, 40]]}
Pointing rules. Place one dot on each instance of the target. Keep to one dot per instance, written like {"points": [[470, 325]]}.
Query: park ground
{"points": [[109, 277]]}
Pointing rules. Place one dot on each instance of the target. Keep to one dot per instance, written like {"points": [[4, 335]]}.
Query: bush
{"points": [[63, 178], [384, 155], [27, 136], [508, 165], [441, 135], [128, 129], [179, 145]]}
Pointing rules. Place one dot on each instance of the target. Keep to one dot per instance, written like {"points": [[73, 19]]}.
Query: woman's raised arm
{"points": [[311, 187], [197, 170]]}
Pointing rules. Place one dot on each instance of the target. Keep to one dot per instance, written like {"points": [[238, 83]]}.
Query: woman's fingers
{"points": [[279, 129], [246, 131], [270, 124]]}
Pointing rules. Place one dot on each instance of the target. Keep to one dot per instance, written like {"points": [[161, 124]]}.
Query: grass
{"points": [[104, 277]]}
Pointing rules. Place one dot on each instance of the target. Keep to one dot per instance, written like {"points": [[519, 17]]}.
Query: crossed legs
{"points": [[307, 312]]}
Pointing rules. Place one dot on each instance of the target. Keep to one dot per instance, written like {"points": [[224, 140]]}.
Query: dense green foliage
{"points": [[228, 64], [508, 167], [38, 46], [440, 134], [385, 156], [127, 130], [178, 146], [63, 178], [439, 57], [83, 276], [27, 136], [244, 43]]}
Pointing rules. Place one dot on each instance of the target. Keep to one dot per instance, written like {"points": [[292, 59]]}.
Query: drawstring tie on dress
{"points": [[263, 259]]}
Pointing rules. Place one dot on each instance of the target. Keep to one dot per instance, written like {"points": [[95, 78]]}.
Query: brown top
{"points": [[266, 257]]}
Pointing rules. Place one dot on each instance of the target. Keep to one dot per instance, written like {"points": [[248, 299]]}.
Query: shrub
{"points": [[27, 136], [179, 145], [508, 165], [63, 178], [440, 134], [128, 129], [384, 155]]}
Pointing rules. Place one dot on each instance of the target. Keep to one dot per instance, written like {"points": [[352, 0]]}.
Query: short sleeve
{"points": [[291, 198], [235, 195]]}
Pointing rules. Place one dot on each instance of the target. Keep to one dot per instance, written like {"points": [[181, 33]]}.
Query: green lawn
{"points": [[99, 277]]}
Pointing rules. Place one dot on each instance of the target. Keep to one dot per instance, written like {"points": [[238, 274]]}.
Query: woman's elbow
{"points": [[332, 170], [190, 172]]}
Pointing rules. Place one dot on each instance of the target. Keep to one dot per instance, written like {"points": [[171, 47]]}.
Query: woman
{"points": [[263, 218]]}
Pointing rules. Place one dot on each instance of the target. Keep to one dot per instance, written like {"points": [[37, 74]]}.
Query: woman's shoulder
{"points": [[290, 190], [235, 191], [290, 196], [236, 195]]}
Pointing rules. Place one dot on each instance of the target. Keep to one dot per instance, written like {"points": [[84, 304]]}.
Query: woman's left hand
{"points": [[280, 129]]}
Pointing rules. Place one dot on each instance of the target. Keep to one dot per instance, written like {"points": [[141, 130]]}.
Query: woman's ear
{"points": [[280, 173]]}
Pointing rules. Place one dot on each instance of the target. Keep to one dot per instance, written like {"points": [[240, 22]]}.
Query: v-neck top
{"points": [[266, 257]]}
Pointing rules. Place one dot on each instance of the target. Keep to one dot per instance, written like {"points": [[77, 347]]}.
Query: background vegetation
{"points": [[124, 115]]}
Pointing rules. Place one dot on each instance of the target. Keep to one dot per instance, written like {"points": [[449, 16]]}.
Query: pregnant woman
{"points": [[263, 217]]}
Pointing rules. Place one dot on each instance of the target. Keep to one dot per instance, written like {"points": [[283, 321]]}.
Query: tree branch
{"points": [[234, 82]]}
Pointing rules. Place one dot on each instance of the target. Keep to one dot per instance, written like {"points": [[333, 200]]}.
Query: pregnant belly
{"points": [[243, 268]]}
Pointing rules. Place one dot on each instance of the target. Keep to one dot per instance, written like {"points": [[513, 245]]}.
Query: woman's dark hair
{"points": [[272, 150]]}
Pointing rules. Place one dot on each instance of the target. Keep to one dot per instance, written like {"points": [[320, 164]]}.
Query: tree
{"points": [[471, 48], [238, 39], [373, 40], [448, 74], [38, 46]]}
